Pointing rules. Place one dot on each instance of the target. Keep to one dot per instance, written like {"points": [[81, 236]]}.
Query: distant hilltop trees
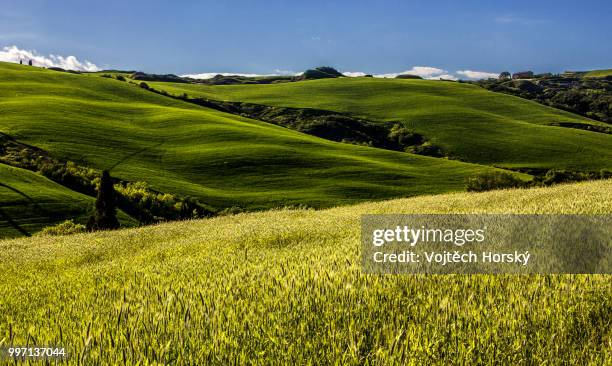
{"points": [[408, 76], [141, 76], [505, 75], [323, 72], [523, 75], [517, 75]]}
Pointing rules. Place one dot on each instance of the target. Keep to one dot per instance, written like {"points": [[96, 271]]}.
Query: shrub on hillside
{"points": [[67, 227], [358, 143], [68, 174], [426, 149], [493, 180], [403, 137], [148, 206], [120, 77], [564, 176]]}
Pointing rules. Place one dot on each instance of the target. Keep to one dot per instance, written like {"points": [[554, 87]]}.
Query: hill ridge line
{"points": [[337, 126]]}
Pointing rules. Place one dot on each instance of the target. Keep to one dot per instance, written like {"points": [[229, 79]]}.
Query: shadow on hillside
{"points": [[39, 207], [4, 216], [135, 153], [11, 222]]}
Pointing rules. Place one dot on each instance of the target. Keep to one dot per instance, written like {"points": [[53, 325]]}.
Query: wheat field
{"points": [[285, 286]]}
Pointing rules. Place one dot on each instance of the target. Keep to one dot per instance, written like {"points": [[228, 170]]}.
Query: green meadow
{"points": [[469, 122], [222, 159], [597, 73], [29, 202], [286, 287], [153, 212]]}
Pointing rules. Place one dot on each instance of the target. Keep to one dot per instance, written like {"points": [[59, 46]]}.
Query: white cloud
{"points": [[210, 75], [353, 74], [15, 54], [286, 72], [444, 77], [513, 19], [434, 73], [390, 75], [477, 74], [426, 72]]}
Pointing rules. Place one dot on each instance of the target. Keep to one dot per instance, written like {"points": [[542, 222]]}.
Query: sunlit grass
{"points": [[467, 121], [222, 159], [285, 287]]}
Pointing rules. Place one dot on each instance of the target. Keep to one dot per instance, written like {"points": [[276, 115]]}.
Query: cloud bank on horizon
{"points": [[426, 72], [477, 74], [15, 54], [210, 75]]}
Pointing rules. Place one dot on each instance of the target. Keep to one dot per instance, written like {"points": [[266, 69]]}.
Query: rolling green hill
{"points": [[222, 159], [597, 73], [469, 122], [29, 202], [286, 287]]}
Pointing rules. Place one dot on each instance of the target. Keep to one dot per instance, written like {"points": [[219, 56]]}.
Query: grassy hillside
{"points": [[467, 121], [184, 149], [29, 202], [286, 287], [597, 73]]}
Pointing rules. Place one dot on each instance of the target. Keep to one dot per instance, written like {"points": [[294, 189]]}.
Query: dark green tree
{"points": [[505, 75], [105, 217]]}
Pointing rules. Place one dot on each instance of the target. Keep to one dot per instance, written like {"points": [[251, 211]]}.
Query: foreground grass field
{"points": [[285, 287], [469, 122], [29, 202], [221, 159]]}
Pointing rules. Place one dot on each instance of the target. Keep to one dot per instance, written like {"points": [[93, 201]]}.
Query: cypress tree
{"points": [[105, 217]]}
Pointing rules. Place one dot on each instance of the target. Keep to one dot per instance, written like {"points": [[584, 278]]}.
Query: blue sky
{"points": [[188, 37]]}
